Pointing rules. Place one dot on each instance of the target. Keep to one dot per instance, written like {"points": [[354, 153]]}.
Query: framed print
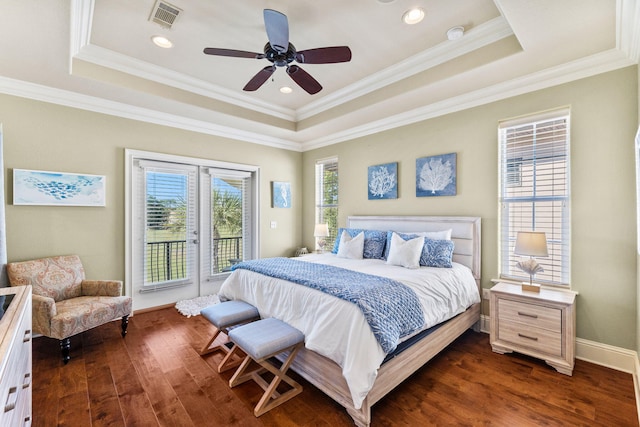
{"points": [[383, 181], [436, 176], [31, 187], [281, 194]]}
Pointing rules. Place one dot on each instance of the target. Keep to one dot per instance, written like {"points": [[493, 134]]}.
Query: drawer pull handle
{"points": [[12, 398], [27, 336], [533, 316], [527, 337]]}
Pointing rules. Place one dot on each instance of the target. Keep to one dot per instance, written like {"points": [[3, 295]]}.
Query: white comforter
{"points": [[337, 329]]}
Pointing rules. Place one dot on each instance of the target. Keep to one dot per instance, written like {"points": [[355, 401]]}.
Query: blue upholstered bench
{"points": [[224, 316], [261, 340]]}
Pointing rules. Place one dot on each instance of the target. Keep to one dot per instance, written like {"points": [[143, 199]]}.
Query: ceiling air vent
{"points": [[164, 14]]}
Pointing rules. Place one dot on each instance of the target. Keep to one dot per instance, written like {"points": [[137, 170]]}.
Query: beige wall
{"points": [[604, 115], [44, 136]]}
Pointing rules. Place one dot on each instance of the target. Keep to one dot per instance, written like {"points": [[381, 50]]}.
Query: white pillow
{"points": [[351, 247], [405, 253]]}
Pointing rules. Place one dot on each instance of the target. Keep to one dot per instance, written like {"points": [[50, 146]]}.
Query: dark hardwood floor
{"points": [[155, 377]]}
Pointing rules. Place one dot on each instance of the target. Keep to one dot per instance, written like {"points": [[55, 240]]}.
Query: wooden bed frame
{"points": [[327, 375]]}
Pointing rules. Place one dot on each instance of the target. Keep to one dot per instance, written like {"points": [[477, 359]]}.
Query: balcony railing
{"points": [[167, 260]]}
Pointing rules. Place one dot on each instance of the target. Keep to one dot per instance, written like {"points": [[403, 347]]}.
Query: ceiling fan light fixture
{"points": [[286, 89], [162, 42], [413, 16], [455, 33]]}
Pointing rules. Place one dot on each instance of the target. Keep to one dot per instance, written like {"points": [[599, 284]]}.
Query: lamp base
{"points": [[530, 287]]}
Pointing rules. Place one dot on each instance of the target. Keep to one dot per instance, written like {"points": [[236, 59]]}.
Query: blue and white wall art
{"points": [[383, 181], [281, 192], [436, 176], [57, 188]]}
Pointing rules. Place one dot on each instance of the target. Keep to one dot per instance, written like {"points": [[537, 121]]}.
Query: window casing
{"points": [[327, 197], [534, 192]]}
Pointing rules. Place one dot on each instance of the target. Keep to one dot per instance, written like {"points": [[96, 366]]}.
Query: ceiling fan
{"points": [[281, 53]]}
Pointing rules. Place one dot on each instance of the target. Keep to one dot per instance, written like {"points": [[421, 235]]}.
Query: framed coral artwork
{"points": [[383, 181], [436, 176], [32, 187]]}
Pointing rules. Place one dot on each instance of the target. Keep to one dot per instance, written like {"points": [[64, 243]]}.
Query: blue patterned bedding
{"points": [[391, 308]]}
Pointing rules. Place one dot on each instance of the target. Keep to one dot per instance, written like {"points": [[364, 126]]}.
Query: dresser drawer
{"points": [[537, 339], [535, 316]]}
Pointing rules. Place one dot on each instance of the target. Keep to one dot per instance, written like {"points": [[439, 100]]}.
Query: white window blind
{"points": [[535, 192], [327, 197]]}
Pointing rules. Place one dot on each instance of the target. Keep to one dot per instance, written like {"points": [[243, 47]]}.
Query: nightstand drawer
{"points": [[533, 315], [537, 339]]}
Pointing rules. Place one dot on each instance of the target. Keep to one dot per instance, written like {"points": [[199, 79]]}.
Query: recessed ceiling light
{"points": [[162, 42], [286, 89], [455, 33], [413, 16]]}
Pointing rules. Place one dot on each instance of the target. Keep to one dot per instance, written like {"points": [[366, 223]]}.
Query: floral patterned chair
{"points": [[64, 303]]}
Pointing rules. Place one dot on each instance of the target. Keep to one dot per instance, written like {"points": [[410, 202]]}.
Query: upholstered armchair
{"points": [[64, 303]]}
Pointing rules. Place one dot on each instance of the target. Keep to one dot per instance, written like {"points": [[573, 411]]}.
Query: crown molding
{"points": [[628, 28], [586, 67], [483, 35], [67, 98]]}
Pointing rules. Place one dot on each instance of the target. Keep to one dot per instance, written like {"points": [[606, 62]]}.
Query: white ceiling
{"points": [[98, 55]]}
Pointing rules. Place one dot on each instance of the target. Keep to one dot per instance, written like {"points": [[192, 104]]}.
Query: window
{"points": [[535, 192], [327, 197]]}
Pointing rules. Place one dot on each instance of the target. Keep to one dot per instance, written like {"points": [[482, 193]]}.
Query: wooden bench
{"points": [[261, 341]]}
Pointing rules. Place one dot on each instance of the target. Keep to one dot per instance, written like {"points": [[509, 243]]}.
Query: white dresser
{"points": [[15, 350]]}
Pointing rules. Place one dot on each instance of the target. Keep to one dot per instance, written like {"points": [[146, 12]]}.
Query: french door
{"points": [[189, 223]]}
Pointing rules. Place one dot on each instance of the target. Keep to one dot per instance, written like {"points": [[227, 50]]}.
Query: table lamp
{"points": [[321, 231], [531, 244]]}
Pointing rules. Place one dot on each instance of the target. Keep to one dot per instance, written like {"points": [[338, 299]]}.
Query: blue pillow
{"points": [[437, 253], [374, 242]]}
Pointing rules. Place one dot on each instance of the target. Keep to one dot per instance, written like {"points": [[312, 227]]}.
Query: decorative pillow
{"points": [[405, 253], [351, 247], [374, 242], [437, 253], [435, 235]]}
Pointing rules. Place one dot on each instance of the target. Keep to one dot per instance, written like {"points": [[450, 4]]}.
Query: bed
{"points": [[335, 355]]}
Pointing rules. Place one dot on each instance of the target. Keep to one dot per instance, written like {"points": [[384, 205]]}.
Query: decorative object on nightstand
{"points": [[301, 251], [541, 325], [531, 244], [321, 231]]}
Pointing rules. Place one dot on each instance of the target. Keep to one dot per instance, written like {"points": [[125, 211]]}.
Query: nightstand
{"points": [[541, 325]]}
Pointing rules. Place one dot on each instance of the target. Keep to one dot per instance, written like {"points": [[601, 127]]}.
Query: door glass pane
{"points": [[228, 221], [166, 226]]}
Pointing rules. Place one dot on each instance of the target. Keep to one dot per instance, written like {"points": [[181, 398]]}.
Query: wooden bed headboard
{"points": [[465, 232]]}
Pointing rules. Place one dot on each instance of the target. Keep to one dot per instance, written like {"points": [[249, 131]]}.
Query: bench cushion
{"points": [[266, 337], [229, 313]]}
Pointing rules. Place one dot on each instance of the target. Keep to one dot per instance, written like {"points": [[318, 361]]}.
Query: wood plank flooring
{"points": [[155, 377]]}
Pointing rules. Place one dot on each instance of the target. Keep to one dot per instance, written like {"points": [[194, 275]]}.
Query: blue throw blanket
{"points": [[391, 308]]}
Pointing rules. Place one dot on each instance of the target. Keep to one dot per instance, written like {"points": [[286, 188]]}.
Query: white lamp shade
{"points": [[321, 230], [531, 243]]}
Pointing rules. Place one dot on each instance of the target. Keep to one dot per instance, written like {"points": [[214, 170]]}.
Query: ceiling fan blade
{"points": [[304, 79], [233, 53], [277, 27], [324, 55], [259, 79]]}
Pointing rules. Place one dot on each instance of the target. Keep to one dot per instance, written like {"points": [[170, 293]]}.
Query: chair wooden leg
{"points": [[125, 323], [65, 346], [271, 398]]}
